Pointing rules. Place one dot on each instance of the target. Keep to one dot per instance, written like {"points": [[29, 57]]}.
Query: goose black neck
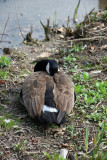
{"points": [[41, 66]]}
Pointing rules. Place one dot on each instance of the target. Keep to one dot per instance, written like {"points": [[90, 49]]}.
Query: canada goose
{"points": [[47, 93]]}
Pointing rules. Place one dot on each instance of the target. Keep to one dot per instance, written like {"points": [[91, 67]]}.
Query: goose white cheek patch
{"points": [[49, 109], [47, 68]]}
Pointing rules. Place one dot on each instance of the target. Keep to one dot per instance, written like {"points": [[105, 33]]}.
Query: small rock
{"points": [[64, 152], [61, 36]]}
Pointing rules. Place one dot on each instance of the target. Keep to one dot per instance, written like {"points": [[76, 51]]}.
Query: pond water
{"points": [[30, 12]]}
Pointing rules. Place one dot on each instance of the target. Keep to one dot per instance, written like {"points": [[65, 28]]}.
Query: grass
{"points": [[86, 139], [97, 140]]}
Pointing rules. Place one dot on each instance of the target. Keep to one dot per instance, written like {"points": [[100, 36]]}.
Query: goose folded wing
{"points": [[33, 92], [63, 92]]}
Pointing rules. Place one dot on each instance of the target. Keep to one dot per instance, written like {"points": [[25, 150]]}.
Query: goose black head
{"points": [[47, 65]]}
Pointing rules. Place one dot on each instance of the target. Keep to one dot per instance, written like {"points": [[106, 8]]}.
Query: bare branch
{"points": [[5, 27]]}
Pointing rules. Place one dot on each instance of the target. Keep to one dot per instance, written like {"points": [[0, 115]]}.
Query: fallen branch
{"points": [[4, 28], [88, 39]]}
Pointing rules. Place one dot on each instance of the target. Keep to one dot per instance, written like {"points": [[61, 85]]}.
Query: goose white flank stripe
{"points": [[49, 109]]}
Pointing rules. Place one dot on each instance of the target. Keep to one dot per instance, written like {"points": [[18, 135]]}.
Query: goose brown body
{"points": [[34, 91]]}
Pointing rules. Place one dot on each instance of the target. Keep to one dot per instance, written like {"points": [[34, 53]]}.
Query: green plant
{"points": [[79, 88], [93, 17], [55, 156], [77, 48], [82, 77], [96, 153], [79, 26], [105, 15], [6, 123], [86, 76], [4, 75], [46, 30], [70, 128], [69, 58], [20, 146], [104, 59], [99, 114], [4, 61]]}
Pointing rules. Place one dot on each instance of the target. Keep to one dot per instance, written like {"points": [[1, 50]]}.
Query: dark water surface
{"points": [[30, 12]]}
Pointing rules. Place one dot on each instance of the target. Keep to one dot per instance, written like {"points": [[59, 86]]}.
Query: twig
{"points": [[4, 28], [18, 20], [87, 15], [99, 61], [6, 41], [96, 106], [30, 153]]}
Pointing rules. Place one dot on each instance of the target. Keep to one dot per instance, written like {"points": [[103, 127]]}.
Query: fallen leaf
{"points": [[59, 131], [92, 48], [100, 25], [66, 145]]}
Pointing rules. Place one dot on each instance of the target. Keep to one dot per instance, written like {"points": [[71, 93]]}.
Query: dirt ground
{"points": [[27, 139]]}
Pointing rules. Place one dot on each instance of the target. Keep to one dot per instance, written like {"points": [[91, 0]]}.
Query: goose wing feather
{"points": [[63, 92], [33, 92]]}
